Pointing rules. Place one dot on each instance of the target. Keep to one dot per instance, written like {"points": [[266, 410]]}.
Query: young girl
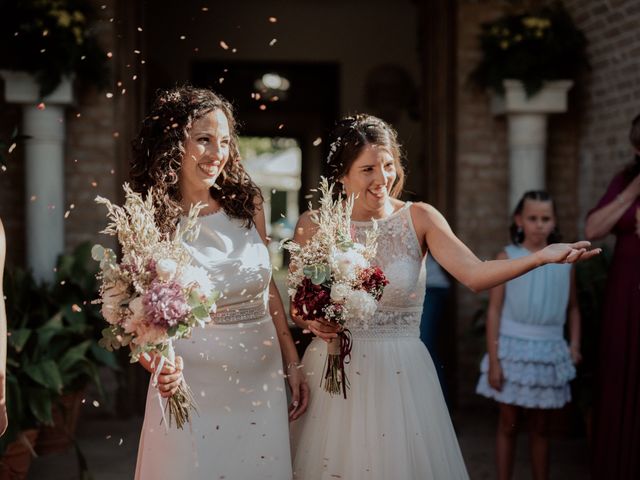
{"points": [[529, 365]]}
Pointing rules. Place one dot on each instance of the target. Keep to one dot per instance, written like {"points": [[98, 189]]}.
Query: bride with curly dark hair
{"points": [[160, 147], [187, 153]]}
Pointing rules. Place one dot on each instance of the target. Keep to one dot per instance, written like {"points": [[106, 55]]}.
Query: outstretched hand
{"points": [[568, 252]]}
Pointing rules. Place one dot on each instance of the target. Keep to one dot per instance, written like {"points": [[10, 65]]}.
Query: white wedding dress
{"points": [[234, 368], [394, 423]]}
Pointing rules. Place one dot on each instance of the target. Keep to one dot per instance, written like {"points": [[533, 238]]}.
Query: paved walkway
{"points": [[110, 446]]}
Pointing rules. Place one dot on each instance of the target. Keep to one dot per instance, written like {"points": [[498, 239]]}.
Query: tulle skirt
{"points": [[241, 431], [393, 425]]}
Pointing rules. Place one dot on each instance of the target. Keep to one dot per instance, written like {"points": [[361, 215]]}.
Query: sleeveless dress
{"points": [[616, 439], [394, 423], [534, 356], [234, 367]]}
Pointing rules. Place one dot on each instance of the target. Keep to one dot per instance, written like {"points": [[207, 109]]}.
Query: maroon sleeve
{"points": [[617, 185]]}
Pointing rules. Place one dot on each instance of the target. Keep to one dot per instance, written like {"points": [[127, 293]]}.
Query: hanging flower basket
{"points": [[533, 46]]}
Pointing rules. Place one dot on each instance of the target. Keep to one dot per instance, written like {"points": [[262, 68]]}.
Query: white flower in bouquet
{"points": [[112, 302], [135, 320], [360, 304], [339, 291], [192, 275], [166, 269], [346, 264]]}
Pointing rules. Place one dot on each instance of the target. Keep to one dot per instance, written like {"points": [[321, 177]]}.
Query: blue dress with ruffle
{"points": [[533, 353]]}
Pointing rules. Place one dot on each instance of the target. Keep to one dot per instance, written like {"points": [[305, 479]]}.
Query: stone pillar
{"points": [[43, 122], [527, 124]]}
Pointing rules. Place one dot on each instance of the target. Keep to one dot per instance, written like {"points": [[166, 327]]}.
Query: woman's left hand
{"points": [[567, 252], [299, 391]]}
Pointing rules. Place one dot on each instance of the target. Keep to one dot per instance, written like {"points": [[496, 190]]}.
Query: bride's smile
{"points": [[371, 178]]}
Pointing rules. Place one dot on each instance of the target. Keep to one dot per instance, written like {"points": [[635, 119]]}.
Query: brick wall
{"points": [[90, 167], [611, 96]]}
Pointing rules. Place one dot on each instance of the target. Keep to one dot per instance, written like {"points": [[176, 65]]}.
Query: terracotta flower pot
{"points": [[16, 460], [58, 438]]}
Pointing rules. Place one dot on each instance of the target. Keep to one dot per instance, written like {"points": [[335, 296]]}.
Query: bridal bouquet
{"points": [[154, 295], [331, 277]]}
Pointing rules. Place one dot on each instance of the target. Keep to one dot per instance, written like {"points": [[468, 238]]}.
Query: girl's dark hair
{"points": [[517, 235], [634, 137], [159, 148], [352, 134]]}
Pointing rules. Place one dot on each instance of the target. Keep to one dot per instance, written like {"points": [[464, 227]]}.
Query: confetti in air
{"points": [[273, 42], [317, 142], [273, 19], [224, 45]]}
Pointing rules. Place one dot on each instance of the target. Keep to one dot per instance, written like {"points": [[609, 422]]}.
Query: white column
{"points": [[292, 206], [527, 149], [44, 153], [527, 125]]}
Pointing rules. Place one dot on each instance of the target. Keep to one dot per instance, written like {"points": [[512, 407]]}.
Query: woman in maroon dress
{"points": [[616, 445]]}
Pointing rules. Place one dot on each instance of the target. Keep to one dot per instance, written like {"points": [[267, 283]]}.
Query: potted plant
{"points": [[52, 354], [33, 380], [52, 40], [532, 46], [74, 344]]}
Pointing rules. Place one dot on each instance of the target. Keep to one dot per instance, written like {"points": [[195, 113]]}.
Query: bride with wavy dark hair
{"points": [[187, 152]]}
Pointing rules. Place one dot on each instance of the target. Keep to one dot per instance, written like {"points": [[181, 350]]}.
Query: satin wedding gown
{"points": [[394, 423], [234, 367]]}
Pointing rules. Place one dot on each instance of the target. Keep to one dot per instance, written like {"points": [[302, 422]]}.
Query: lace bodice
{"points": [[400, 257]]}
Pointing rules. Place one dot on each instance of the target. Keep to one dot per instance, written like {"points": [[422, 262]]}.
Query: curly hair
{"points": [[158, 151], [352, 134]]}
